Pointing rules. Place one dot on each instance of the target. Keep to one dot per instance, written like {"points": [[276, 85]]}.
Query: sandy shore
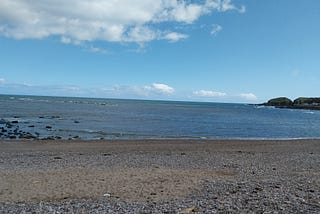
{"points": [[160, 176]]}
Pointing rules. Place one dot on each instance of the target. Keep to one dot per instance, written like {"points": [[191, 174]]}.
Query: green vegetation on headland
{"points": [[310, 103]]}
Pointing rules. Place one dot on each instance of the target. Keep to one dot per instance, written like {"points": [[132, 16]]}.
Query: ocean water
{"points": [[136, 119]]}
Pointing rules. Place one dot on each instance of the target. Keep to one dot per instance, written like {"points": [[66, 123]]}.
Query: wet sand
{"points": [[160, 176]]}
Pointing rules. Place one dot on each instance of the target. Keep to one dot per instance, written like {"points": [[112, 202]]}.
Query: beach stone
{"points": [[57, 158], [9, 126], [188, 210]]}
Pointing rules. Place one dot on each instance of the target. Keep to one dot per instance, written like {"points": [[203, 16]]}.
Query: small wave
{"points": [[264, 107], [95, 132], [25, 99], [308, 112]]}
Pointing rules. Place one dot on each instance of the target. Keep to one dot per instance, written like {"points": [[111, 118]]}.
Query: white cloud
{"points": [[2, 80], [155, 90], [215, 29], [98, 50], [248, 96], [204, 93], [227, 5], [182, 12], [76, 21], [174, 37], [159, 88]]}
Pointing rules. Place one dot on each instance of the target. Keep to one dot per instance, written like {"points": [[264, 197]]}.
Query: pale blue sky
{"points": [[221, 51]]}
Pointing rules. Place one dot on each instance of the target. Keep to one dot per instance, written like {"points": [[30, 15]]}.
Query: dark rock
{"points": [[258, 188], [76, 121], [49, 138], [48, 127], [281, 102], [31, 126], [2, 121], [26, 136], [15, 121], [57, 158], [9, 126], [54, 117], [12, 137], [307, 103]]}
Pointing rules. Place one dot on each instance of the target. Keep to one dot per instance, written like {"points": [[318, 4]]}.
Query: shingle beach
{"points": [[160, 176]]}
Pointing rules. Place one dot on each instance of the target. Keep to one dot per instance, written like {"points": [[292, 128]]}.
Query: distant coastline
{"points": [[308, 103]]}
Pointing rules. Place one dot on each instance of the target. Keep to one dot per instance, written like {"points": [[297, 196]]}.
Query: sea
{"points": [[91, 118]]}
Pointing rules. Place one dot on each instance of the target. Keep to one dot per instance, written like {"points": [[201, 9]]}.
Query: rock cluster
{"points": [[299, 103], [10, 130]]}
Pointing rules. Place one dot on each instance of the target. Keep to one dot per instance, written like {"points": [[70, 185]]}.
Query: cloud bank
{"points": [[204, 93], [76, 21], [249, 96], [215, 95], [151, 91]]}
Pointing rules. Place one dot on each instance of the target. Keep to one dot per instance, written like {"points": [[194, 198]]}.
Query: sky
{"points": [[242, 51]]}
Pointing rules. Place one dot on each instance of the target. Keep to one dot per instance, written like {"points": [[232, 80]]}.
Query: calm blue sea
{"points": [[136, 119]]}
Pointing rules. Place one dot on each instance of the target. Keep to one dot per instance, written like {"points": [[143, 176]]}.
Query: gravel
{"points": [[265, 176]]}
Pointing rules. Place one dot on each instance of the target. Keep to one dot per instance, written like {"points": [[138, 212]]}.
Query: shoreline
{"points": [[160, 176]]}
